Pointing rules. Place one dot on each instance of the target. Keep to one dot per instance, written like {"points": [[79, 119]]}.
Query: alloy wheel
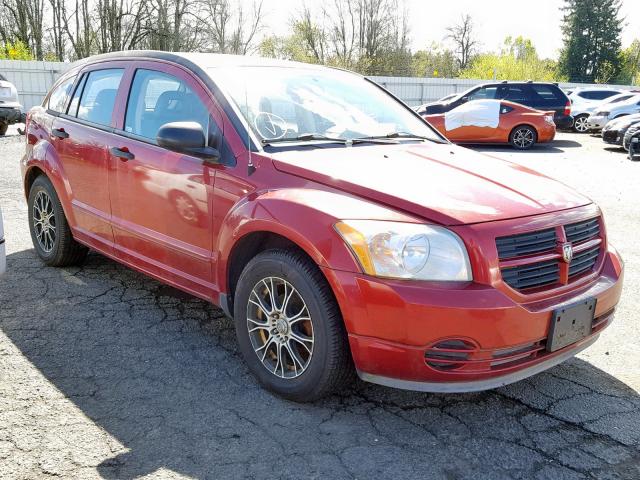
{"points": [[44, 221], [280, 327], [523, 138], [580, 124]]}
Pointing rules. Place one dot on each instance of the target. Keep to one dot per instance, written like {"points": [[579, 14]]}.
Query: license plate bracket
{"points": [[570, 324]]}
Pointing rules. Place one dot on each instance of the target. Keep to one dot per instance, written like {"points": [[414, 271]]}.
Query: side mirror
{"points": [[187, 138]]}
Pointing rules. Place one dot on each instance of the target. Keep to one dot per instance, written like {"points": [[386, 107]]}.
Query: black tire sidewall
{"points": [[43, 184], [264, 265], [523, 127]]}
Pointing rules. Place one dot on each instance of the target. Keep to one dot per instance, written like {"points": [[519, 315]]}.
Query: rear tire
{"points": [[49, 228], [523, 137], [296, 348], [580, 124], [3, 128]]}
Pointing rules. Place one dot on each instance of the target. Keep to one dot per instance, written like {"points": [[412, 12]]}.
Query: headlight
{"points": [[549, 118], [407, 250]]}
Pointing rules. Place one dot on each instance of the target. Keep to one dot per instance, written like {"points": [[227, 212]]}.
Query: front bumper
{"points": [[597, 123], [392, 326], [612, 137]]}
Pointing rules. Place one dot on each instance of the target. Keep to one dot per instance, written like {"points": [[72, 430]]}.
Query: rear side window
{"points": [[505, 109], [597, 94], [518, 94], [99, 96], [157, 98], [546, 92], [60, 95]]}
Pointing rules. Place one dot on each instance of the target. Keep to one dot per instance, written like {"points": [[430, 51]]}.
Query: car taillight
{"points": [[567, 108], [548, 118]]}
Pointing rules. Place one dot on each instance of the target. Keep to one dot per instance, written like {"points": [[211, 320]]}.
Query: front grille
{"points": [[584, 261], [582, 231], [532, 275], [525, 262], [526, 244]]}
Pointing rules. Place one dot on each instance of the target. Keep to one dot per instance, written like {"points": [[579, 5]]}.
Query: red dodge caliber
{"points": [[340, 231]]}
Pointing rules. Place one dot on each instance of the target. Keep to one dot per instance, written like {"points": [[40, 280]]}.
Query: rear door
{"points": [[80, 135], [162, 201]]}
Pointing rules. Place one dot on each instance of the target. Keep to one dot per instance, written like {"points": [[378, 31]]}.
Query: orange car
{"points": [[495, 121]]}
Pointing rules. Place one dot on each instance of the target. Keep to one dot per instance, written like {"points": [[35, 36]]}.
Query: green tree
{"points": [[518, 60], [15, 51], [631, 64], [591, 30], [435, 61]]}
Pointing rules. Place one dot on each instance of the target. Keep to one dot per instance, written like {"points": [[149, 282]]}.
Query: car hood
{"points": [[439, 182]]}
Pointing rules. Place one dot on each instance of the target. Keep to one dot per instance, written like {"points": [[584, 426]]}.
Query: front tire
{"points": [[523, 137], [289, 328], [3, 128], [49, 228], [580, 124]]}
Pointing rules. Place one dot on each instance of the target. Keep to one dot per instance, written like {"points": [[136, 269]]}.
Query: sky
{"points": [[494, 20]]}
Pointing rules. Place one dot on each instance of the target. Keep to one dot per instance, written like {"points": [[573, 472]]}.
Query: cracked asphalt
{"points": [[105, 373]]}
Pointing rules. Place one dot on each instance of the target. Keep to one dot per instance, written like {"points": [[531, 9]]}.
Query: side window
{"points": [[157, 98], [517, 93], [505, 109], [545, 92], [60, 95], [99, 96], [483, 93]]}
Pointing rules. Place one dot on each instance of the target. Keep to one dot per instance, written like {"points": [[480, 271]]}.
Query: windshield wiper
{"points": [[310, 137], [405, 135]]}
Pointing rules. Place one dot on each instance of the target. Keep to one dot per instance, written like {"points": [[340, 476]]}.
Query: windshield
{"points": [[282, 103]]}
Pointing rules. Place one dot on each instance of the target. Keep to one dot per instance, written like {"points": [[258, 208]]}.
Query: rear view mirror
{"points": [[188, 138]]}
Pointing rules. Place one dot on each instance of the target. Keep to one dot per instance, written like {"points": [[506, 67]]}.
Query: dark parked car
{"points": [[538, 95], [615, 130]]}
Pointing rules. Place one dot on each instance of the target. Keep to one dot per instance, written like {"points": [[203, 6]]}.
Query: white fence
{"points": [[33, 79]]}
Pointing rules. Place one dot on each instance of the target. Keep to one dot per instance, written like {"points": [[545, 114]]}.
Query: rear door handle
{"points": [[122, 153], [60, 133]]}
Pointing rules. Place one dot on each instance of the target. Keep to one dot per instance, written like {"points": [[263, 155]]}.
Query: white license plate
{"points": [[5, 92]]}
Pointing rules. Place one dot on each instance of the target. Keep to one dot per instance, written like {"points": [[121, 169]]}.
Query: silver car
{"points": [[10, 108], [603, 114]]}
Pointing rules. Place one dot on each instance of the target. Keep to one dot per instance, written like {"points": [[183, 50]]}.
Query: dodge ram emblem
{"points": [[567, 252]]}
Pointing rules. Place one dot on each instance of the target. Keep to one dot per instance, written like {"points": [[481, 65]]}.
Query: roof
{"points": [[202, 60]]}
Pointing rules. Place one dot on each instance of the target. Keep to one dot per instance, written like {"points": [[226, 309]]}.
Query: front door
{"points": [[161, 200]]}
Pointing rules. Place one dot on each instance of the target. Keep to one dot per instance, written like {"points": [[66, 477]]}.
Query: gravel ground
{"points": [[106, 373]]}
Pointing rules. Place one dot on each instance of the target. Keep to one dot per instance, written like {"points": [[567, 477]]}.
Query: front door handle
{"points": [[122, 153], [60, 133]]}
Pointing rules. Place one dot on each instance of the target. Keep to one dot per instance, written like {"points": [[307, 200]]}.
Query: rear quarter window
{"points": [[547, 92], [60, 94]]}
